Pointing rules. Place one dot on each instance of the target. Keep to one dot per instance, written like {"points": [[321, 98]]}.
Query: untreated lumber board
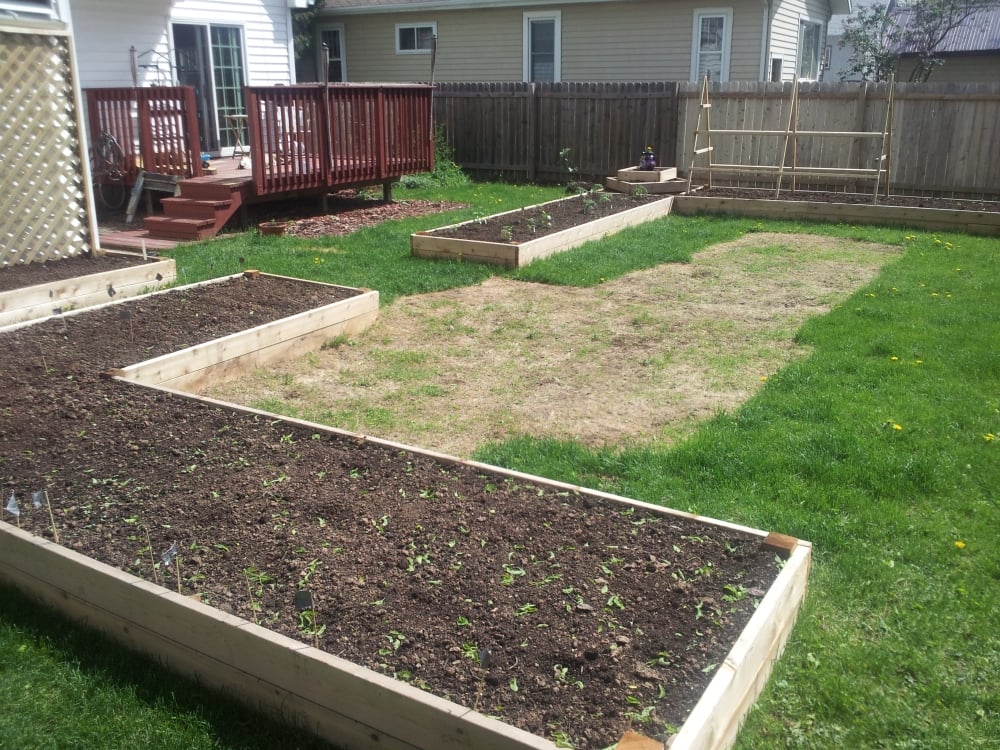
{"points": [[55, 297], [973, 222]]}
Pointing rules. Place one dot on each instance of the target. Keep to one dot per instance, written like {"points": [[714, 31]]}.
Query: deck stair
{"points": [[203, 207]]}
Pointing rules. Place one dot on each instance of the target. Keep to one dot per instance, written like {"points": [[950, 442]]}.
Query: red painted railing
{"points": [[157, 128], [311, 137]]}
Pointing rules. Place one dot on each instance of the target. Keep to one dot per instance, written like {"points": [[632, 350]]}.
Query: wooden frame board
{"points": [[56, 297], [428, 244], [671, 186], [972, 222]]}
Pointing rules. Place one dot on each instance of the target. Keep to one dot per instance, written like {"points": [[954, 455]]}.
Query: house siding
{"points": [[104, 30], [785, 31], [635, 41], [981, 68]]}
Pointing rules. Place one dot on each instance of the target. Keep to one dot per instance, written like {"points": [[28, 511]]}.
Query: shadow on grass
{"points": [[103, 665]]}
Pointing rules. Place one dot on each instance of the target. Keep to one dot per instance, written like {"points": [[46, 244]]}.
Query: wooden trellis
{"points": [[878, 174]]}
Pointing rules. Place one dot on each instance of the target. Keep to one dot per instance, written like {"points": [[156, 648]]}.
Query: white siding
{"points": [[785, 31], [105, 29], [629, 41]]}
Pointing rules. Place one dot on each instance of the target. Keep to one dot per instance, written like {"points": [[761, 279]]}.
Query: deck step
{"points": [[180, 229], [203, 207], [189, 208]]}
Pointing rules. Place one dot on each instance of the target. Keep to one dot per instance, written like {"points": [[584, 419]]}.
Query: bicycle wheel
{"points": [[111, 191]]}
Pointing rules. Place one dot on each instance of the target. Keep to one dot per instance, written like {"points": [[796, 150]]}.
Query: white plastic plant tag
{"points": [[38, 499], [170, 554], [12, 507]]}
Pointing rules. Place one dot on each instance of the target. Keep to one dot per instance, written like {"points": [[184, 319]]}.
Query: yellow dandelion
{"points": [[960, 544], [935, 294], [989, 437], [948, 245], [897, 426], [937, 242], [894, 358], [918, 361], [763, 378]]}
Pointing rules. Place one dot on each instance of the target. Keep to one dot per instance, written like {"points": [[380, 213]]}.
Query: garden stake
{"points": [[152, 560], [52, 518]]}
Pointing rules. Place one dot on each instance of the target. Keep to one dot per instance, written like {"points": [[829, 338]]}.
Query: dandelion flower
{"points": [[897, 426], [960, 544], [894, 358], [989, 437]]}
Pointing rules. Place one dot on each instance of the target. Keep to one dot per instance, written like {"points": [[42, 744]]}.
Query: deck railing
{"points": [[157, 128], [313, 137]]}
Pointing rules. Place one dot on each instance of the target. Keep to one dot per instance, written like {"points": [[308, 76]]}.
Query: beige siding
{"points": [[973, 69], [628, 41], [785, 31]]}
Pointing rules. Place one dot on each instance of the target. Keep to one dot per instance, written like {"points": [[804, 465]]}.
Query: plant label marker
{"points": [[303, 600], [13, 508], [170, 554], [38, 499]]}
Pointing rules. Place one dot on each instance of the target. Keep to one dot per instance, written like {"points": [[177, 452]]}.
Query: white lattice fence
{"points": [[43, 203]]}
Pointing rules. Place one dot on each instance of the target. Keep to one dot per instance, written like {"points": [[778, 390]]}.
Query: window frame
{"points": [[339, 28], [817, 53], [415, 26], [541, 15], [701, 14]]}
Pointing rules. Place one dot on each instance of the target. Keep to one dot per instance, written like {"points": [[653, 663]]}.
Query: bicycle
{"points": [[107, 164]]}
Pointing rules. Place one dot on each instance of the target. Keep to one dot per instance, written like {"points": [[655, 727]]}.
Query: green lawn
{"points": [[882, 448]]}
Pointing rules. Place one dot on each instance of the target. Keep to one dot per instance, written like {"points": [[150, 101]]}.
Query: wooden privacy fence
{"points": [[312, 137], [157, 128], [945, 138], [521, 129]]}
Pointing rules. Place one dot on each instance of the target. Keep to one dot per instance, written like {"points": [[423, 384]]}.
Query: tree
{"points": [[864, 33], [879, 35]]}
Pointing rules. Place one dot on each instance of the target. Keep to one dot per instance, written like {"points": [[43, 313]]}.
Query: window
{"points": [[711, 42], [333, 39], [542, 47], [775, 70], [29, 7], [415, 39], [809, 58]]}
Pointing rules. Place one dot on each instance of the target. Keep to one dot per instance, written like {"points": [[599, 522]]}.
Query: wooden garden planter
{"points": [[41, 300], [341, 701], [431, 244], [945, 220], [329, 696]]}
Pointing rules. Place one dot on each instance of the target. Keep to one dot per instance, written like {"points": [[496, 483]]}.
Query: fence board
{"points": [[944, 136], [519, 129]]}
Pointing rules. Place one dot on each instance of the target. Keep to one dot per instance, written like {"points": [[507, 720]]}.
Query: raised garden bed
{"points": [[516, 238], [59, 286], [974, 217], [563, 612]]}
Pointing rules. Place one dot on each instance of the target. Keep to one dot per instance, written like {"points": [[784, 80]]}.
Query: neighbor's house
{"points": [[971, 50], [218, 47], [576, 40]]}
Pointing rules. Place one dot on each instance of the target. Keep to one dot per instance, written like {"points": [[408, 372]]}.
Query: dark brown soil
{"points": [[910, 201], [534, 222], [559, 613], [30, 274]]}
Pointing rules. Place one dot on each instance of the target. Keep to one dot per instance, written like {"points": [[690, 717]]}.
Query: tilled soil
{"points": [[908, 201], [533, 222], [566, 615]]}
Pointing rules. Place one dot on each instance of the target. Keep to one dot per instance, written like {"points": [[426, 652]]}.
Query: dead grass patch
{"points": [[642, 358]]}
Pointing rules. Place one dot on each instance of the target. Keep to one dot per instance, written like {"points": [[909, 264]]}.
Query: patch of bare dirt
{"points": [[641, 358]]}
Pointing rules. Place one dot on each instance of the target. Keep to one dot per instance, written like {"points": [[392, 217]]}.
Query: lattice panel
{"points": [[43, 206]]}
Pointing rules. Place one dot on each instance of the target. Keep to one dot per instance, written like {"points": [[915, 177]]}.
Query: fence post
{"points": [[532, 131]]}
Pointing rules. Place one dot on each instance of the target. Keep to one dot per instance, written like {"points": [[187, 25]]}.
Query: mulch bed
{"points": [[561, 614]]}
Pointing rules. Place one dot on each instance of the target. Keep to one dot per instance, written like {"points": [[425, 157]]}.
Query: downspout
{"points": [[765, 40]]}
